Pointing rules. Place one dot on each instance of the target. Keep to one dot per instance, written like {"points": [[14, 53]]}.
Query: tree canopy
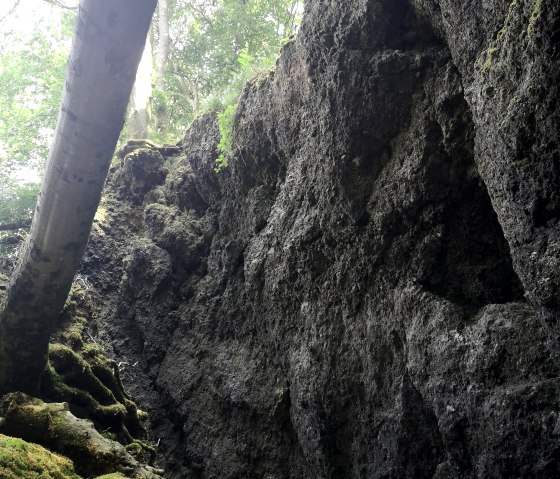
{"points": [[200, 54]]}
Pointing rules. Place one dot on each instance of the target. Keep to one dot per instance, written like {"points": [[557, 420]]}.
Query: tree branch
{"points": [[16, 225], [12, 10], [59, 3]]}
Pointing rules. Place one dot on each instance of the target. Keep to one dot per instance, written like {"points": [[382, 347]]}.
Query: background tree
{"points": [[207, 37], [140, 108], [107, 45]]}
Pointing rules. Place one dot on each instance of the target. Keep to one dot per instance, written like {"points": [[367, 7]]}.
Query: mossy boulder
{"points": [[53, 426], [23, 460]]}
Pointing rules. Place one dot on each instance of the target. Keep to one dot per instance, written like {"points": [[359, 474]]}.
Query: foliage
{"points": [[31, 76], [32, 71], [216, 46], [226, 120], [17, 202], [225, 102]]}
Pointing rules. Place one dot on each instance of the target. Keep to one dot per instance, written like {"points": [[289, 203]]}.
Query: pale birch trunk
{"points": [[161, 114], [107, 45], [140, 99], [163, 43]]}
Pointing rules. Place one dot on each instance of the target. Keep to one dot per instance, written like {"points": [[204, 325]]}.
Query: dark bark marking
{"points": [[38, 255], [77, 67], [116, 61], [73, 246], [73, 117]]}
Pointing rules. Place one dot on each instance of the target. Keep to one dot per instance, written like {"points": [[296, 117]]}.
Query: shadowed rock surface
{"points": [[371, 288]]}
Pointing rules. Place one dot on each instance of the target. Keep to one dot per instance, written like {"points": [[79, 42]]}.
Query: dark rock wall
{"points": [[370, 289]]}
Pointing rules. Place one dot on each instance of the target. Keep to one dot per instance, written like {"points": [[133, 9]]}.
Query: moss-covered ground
{"points": [[23, 460]]}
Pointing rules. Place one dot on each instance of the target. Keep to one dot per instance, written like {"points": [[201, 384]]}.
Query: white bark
{"points": [[107, 46], [163, 42], [141, 96]]}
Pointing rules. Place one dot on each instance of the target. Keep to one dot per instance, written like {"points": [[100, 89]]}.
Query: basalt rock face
{"points": [[370, 289]]}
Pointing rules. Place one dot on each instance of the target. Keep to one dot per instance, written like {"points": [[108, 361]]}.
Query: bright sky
{"points": [[26, 17]]}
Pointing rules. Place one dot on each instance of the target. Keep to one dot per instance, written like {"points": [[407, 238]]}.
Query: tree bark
{"points": [[161, 116], [108, 41], [140, 99], [163, 43]]}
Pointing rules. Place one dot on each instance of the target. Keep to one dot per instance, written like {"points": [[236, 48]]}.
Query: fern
{"points": [[226, 121]]}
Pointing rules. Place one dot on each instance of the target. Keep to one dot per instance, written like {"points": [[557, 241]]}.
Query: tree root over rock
{"points": [[80, 374], [88, 417]]}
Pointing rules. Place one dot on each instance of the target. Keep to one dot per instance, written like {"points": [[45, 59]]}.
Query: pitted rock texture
{"points": [[370, 289]]}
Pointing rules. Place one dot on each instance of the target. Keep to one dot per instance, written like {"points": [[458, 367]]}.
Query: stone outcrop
{"points": [[371, 288]]}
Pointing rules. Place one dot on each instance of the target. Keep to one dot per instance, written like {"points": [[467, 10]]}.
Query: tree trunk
{"points": [[140, 100], [163, 43], [161, 114], [108, 41]]}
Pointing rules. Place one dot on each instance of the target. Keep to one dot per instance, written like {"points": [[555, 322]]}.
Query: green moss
{"points": [[81, 378], [23, 460], [535, 14], [83, 404], [80, 374], [91, 350], [89, 382], [74, 339], [500, 37], [142, 415], [77, 372], [489, 55], [142, 452], [226, 121]]}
